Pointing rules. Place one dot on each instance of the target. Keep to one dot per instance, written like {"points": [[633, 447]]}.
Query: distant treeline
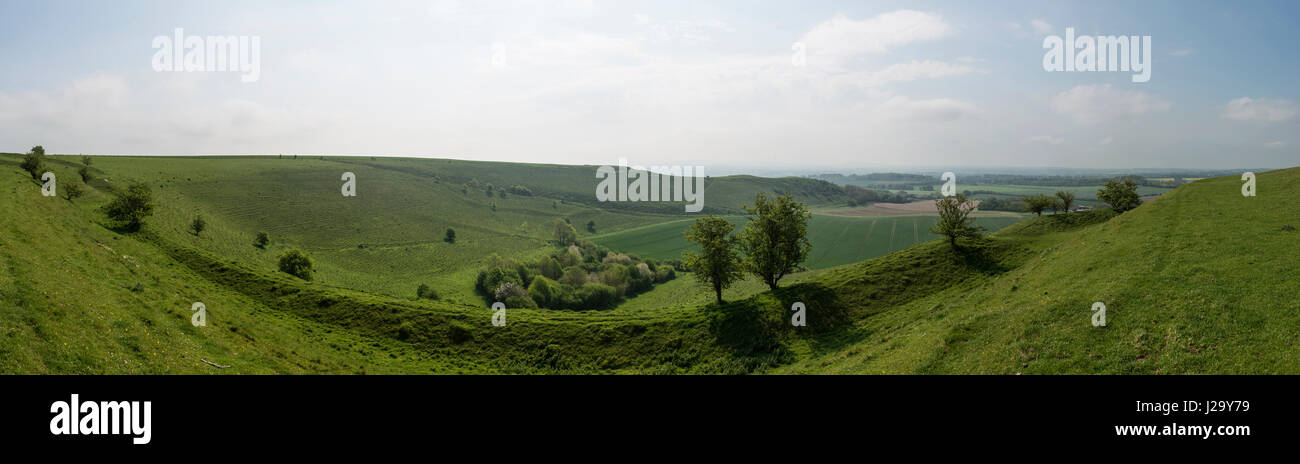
{"points": [[861, 196]]}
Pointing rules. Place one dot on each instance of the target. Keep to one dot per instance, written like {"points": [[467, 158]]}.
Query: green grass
{"points": [[1200, 280], [836, 240]]}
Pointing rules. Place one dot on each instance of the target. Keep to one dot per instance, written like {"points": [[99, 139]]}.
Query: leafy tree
{"points": [[717, 265], [296, 263], [954, 219], [34, 161], [262, 240], [591, 226], [775, 240], [1037, 203], [426, 293], [1066, 200], [565, 234], [451, 236], [72, 191], [550, 268], [198, 225], [86, 160], [131, 205], [1121, 196]]}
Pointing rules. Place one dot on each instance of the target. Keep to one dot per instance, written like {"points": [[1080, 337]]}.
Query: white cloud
{"points": [[1261, 109], [1045, 139], [1093, 104], [901, 108], [1041, 27], [841, 38]]}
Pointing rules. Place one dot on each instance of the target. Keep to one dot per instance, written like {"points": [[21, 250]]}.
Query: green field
{"points": [[1199, 280], [836, 240]]}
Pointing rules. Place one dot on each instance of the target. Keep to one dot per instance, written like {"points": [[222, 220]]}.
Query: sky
{"points": [[765, 84]]}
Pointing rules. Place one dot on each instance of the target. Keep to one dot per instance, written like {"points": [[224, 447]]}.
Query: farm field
{"points": [[836, 239]]}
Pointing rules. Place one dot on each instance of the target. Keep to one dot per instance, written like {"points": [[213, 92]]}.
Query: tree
{"points": [[131, 205], [86, 160], [1121, 196], [262, 240], [198, 225], [717, 265], [34, 161], [1037, 203], [591, 226], [565, 234], [1066, 200], [72, 191], [426, 293], [296, 263], [954, 219], [451, 236], [85, 174], [775, 239]]}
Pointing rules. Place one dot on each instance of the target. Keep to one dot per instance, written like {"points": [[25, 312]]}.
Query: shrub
{"points": [[296, 263], [490, 280], [509, 290], [72, 191], [574, 277], [131, 206], [34, 161], [520, 302], [597, 296], [262, 240], [198, 225], [424, 292], [85, 173], [451, 236], [544, 291], [550, 268]]}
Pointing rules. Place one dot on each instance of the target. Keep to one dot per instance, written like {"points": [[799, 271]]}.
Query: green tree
{"points": [[72, 191], [426, 293], [775, 240], [85, 174], [262, 240], [1037, 203], [1066, 199], [565, 234], [198, 225], [1121, 196], [591, 226], [954, 219], [86, 160], [296, 263], [131, 206], [34, 161], [717, 265], [450, 237]]}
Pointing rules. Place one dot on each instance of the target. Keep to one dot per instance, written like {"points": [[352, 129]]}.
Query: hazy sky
{"points": [[662, 82]]}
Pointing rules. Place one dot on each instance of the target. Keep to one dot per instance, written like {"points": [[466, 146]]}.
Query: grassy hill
{"points": [[1197, 281]]}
